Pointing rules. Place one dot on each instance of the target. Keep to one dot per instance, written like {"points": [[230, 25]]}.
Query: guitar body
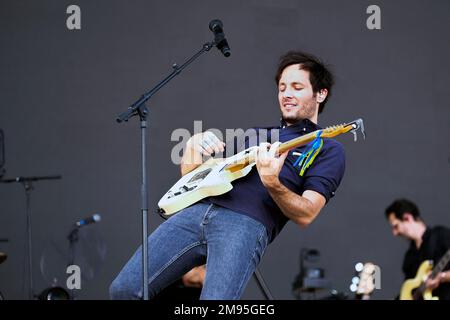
{"points": [[212, 178], [408, 287]]}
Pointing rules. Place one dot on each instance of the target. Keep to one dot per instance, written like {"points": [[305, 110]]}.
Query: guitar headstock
{"points": [[353, 127], [364, 283]]}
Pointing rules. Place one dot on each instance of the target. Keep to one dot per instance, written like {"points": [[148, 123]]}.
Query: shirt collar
{"points": [[304, 125], [426, 233]]}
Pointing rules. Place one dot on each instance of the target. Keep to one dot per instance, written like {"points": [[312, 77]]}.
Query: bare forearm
{"points": [[301, 209], [297, 208], [445, 276], [191, 159]]}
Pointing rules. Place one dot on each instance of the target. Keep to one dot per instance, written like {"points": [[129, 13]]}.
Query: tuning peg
{"points": [[358, 267]]}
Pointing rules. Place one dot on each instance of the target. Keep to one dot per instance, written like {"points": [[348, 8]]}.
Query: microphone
{"points": [[216, 27], [92, 219]]}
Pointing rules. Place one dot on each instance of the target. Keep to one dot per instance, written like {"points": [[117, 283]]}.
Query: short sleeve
{"points": [[326, 172]]}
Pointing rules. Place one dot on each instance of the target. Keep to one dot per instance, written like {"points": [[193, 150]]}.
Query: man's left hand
{"points": [[434, 283], [268, 165]]}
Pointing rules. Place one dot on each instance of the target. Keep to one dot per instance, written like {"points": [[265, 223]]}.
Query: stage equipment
{"points": [[27, 183], [139, 108], [311, 278]]}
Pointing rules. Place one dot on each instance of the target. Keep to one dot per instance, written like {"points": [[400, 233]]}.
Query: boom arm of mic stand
{"points": [[138, 107]]}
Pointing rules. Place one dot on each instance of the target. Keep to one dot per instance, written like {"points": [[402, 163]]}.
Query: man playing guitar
{"points": [[426, 243], [230, 232]]}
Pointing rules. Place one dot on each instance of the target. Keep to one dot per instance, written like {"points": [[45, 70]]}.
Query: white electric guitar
{"points": [[214, 177]]}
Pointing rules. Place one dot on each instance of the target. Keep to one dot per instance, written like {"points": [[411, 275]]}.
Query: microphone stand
{"points": [[27, 183], [139, 108], [262, 285], [73, 239]]}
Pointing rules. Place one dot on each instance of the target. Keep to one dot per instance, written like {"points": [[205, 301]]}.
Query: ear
{"points": [[321, 95]]}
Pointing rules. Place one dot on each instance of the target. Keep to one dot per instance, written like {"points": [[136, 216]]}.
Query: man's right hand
{"points": [[205, 143], [199, 145]]}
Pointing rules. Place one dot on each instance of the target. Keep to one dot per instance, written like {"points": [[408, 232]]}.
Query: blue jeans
{"points": [[230, 243]]}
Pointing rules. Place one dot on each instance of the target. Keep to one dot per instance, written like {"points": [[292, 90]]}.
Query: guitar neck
{"points": [[285, 146], [441, 264], [436, 270], [297, 142], [328, 132]]}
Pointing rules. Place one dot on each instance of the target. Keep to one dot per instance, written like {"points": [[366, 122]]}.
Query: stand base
{"points": [[262, 285]]}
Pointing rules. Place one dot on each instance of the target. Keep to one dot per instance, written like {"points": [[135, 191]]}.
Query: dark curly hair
{"points": [[401, 206], [319, 75]]}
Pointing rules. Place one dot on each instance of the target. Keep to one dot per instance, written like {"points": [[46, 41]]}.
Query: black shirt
{"points": [[435, 243]]}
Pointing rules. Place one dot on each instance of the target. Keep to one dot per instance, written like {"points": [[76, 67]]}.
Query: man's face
{"points": [[401, 228], [296, 97]]}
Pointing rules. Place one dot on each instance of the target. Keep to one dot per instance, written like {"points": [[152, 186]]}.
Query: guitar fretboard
{"points": [[441, 265], [437, 269]]}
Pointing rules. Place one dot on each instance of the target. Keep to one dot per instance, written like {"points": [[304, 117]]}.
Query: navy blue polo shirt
{"points": [[250, 197]]}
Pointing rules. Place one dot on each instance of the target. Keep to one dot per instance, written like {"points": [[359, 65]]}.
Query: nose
{"points": [[287, 93]]}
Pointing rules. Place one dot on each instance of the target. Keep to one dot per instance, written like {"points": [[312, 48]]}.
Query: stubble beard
{"points": [[306, 111]]}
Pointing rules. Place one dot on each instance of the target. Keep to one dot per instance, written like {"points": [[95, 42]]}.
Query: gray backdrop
{"points": [[61, 91]]}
